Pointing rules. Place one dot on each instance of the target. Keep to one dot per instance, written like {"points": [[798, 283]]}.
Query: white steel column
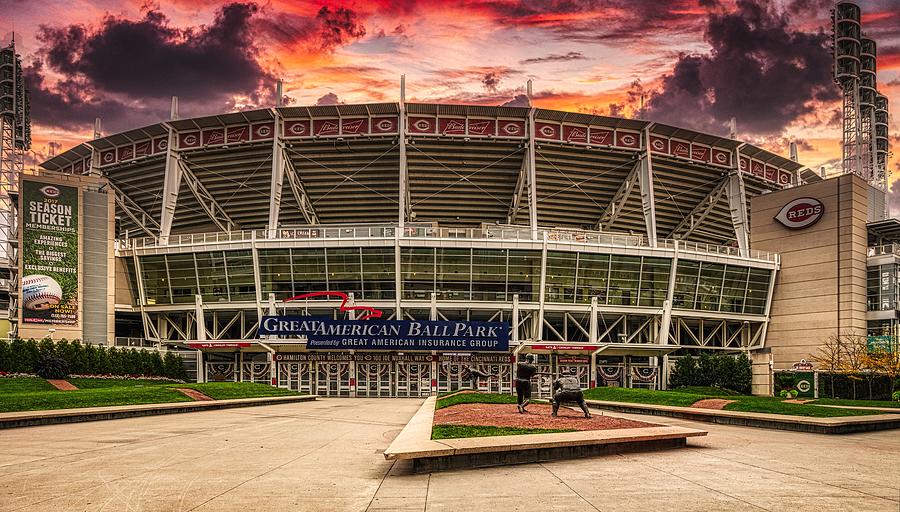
{"points": [[514, 332], [765, 325], [539, 325], [664, 325], [171, 185], [648, 200], [737, 204], [201, 322], [403, 174], [277, 181], [398, 278], [254, 251], [532, 172]]}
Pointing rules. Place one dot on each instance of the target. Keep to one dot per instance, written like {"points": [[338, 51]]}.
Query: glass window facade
{"points": [[462, 274], [881, 287]]}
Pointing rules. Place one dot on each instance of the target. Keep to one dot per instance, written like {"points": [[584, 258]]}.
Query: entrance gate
{"points": [[333, 378], [373, 379], [413, 379], [297, 376]]}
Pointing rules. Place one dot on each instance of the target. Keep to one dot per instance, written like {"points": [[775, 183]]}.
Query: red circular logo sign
{"points": [[801, 213]]}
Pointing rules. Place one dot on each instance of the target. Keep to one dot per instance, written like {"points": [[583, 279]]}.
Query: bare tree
{"points": [[829, 357]]}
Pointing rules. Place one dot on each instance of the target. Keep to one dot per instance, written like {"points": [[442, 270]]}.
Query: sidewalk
{"points": [[56, 416], [839, 425]]}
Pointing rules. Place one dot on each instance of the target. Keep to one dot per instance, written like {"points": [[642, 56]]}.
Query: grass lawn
{"points": [[857, 403], [474, 398], [24, 385], [459, 431], [685, 398], [30, 394], [229, 390]]}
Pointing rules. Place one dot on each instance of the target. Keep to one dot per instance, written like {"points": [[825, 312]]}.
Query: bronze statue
{"points": [[568, 389], [525, 370], [477, 375]]}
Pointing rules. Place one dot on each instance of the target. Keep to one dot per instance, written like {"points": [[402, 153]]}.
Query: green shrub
{"points": [[896, 396], [4, 356], [52, 368], [685, 373], [720, 371]]}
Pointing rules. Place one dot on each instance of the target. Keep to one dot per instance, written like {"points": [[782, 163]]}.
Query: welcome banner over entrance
{"points": [[325, 333]]}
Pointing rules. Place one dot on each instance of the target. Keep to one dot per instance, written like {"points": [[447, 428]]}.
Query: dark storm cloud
{"points": [[520, 100], [490, 81], [148, 58], [339, 26], [329, 99], [759, 71], [555, 57]]}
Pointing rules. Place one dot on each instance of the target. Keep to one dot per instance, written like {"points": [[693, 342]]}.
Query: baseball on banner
{"points": [[39, 292]]}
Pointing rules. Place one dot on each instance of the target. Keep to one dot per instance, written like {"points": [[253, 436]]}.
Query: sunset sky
{"points": [[695, 63]]}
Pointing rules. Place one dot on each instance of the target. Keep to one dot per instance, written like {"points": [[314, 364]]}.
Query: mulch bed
{"points": [[196, 395], [62, 384], [536, 416], [712, 403]]}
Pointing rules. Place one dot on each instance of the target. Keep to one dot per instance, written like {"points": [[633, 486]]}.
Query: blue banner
{"points": [[328, 334]]}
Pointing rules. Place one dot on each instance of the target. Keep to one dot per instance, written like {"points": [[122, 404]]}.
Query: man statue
{"points": [[525, 370], [477, 376], [568, 389]]}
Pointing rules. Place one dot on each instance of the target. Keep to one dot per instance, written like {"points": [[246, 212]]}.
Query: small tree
{"points": [[854, 359], [706, 370], [684, 373], [5, 356], [829, 358]]}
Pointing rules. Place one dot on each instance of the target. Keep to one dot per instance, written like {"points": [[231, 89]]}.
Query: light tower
{"points": [[15, 141], [864, 143]]}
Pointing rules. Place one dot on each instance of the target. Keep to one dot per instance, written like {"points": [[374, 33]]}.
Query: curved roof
{"points": [[464, 165]]}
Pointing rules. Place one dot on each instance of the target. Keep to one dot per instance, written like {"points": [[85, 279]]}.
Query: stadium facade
{"points": [[608, 246]]}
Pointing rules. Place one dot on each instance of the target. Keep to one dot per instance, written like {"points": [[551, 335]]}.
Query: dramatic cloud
{"points": [[491, 81], [520, 100], [329, 99], [760, 71], [148, 58], [339, 26], [554, 57]]}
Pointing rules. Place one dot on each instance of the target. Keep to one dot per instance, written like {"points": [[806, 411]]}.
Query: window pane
{"points": [[183, 278], [654, 281], [132, 281], [417, 267], [275, 273], [239, 265], [453, 279], [524, 274], [734, 288], [625, 271], [710, 289], [489, 274], [685, 284], [156, 280], [211, 271], [345, 270], [593, 274], [560, 279], [308, 268], [378, 272], [757, 289]]}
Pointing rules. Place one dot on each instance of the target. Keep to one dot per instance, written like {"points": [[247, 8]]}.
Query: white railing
{"points": [[498, 232], [883, 250]]}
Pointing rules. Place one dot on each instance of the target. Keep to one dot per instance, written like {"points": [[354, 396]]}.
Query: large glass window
{"points": [[132, 281], [239, 266], [489, 274], [686, 276], [453, 274], [378, 273], [524, 274], [757, 290], [881, 287], [654, 281], [345, 270], [308, 268], [593, 276], [709, 292], [156, 280], [733, 289], [560, 280], [212, 277], [275, 273], [417, 269], [624, 278], [183, 278]]}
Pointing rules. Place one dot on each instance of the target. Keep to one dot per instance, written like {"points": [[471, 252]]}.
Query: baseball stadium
{"points": [[606, 244]]}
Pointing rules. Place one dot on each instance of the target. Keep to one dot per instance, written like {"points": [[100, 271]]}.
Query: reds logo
{"points": [[189, 140], [658, 145], [423, 125], [547, 131], [108, 157], [512, 129], [50, 191], [162, 145], [721, 158], [801, 213], [298, 128], [263, 131], [628, 140], [385, 125]]}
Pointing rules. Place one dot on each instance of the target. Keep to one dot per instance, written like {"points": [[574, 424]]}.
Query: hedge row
{"points": [[28, 356], [854, 386], [720, 370]]}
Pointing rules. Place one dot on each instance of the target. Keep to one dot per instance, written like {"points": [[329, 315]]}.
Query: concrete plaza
{"points": [[327, 455]]}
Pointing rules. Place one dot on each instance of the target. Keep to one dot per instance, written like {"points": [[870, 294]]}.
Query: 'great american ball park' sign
{"points": [[328, 334]]}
